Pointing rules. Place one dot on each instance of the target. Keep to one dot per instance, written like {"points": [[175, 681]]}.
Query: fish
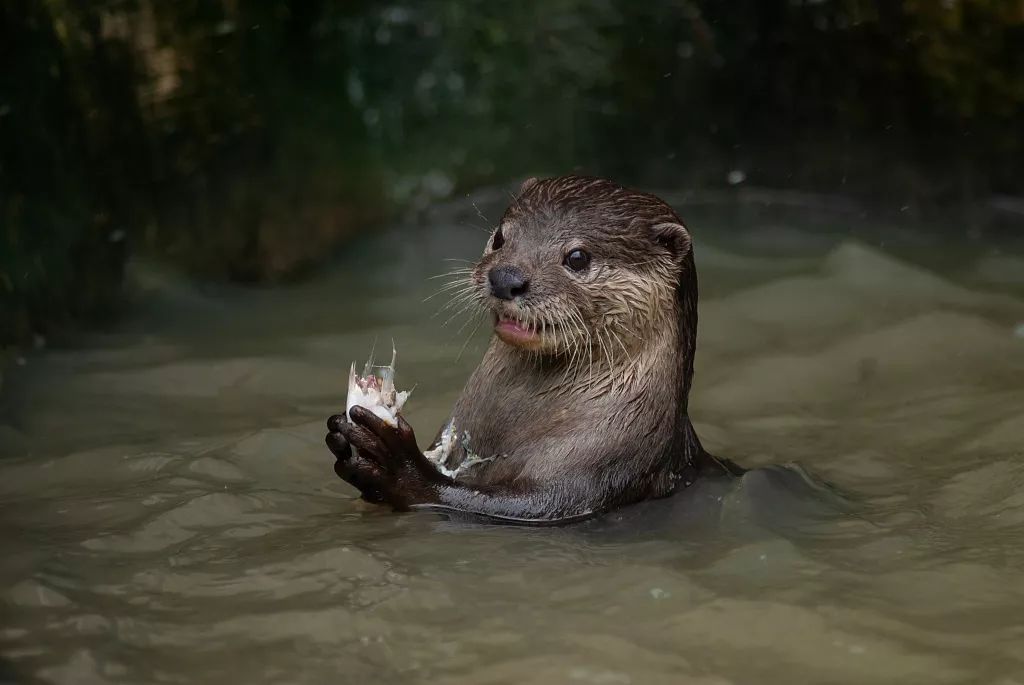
{"points": [[374, 390]]}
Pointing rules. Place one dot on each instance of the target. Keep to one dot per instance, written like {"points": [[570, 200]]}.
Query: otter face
{"points": [[582, 267]]}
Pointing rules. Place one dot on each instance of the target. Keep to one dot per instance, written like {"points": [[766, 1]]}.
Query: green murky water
{"points": [[169, 512]]}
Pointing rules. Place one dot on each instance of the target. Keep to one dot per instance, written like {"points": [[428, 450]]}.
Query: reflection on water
{"points": [[170, 512]]}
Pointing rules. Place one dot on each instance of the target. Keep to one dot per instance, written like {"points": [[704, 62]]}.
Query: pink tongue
{"points": [[510, 327]]}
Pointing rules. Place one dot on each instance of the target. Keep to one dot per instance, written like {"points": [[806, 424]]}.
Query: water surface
{"points": [[169, 512]]}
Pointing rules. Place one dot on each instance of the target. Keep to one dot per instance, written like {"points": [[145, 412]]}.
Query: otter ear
{"points": [[673, 237], [527, 184]]}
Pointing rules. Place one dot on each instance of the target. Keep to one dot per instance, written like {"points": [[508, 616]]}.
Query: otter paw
{"points": [[336, 442], [351, 467], [388, 460]]}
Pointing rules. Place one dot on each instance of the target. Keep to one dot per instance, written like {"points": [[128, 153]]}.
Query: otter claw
{"points": [[334, 423], [339, 446]]}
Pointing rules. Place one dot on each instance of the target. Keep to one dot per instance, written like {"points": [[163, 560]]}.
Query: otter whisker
{"points": [[590, 357], [607, 376], [587, 350], [454, 304], [453, 272], [630, 359], [576, 318], [628, 366], [578, 338], [460, 282], [630, 333], [583, 333], [566, 337], [461, 290], [480, 319], [570, 353], [448, 287], [466, 307], [465, 323], [480, 214], [479, 312], [478, 227], [618, 339], [532, 325], [468, 268], [459, 286], [455, 283], [574, 335], [635, 360]]}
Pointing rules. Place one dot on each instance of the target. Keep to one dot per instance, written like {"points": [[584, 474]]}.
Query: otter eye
{"points": [[577, 260], [498, 241]]}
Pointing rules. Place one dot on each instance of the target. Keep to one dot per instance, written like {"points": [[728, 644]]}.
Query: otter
{"points": [[580, 404]]}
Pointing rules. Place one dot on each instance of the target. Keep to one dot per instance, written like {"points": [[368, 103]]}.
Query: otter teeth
{"points": [[522, 323]]}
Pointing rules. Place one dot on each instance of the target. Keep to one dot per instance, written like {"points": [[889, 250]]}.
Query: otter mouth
{"points": [[515, 331]]}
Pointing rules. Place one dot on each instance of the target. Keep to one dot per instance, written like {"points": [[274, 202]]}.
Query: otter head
{"points": [[581, 266]]}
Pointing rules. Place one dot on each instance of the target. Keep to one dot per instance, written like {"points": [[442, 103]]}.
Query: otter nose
{"points": [[507, 282]]}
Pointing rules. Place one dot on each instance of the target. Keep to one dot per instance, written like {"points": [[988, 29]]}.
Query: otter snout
{"points": [[507, 282]]}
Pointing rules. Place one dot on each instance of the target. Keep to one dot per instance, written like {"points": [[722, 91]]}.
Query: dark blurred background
{"points": [[251, 141]]}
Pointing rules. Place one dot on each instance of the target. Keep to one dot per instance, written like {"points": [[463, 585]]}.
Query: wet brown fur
{"points": [[595, 416]]}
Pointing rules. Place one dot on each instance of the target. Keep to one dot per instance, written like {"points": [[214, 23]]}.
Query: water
{"points": [[169, 512]]}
